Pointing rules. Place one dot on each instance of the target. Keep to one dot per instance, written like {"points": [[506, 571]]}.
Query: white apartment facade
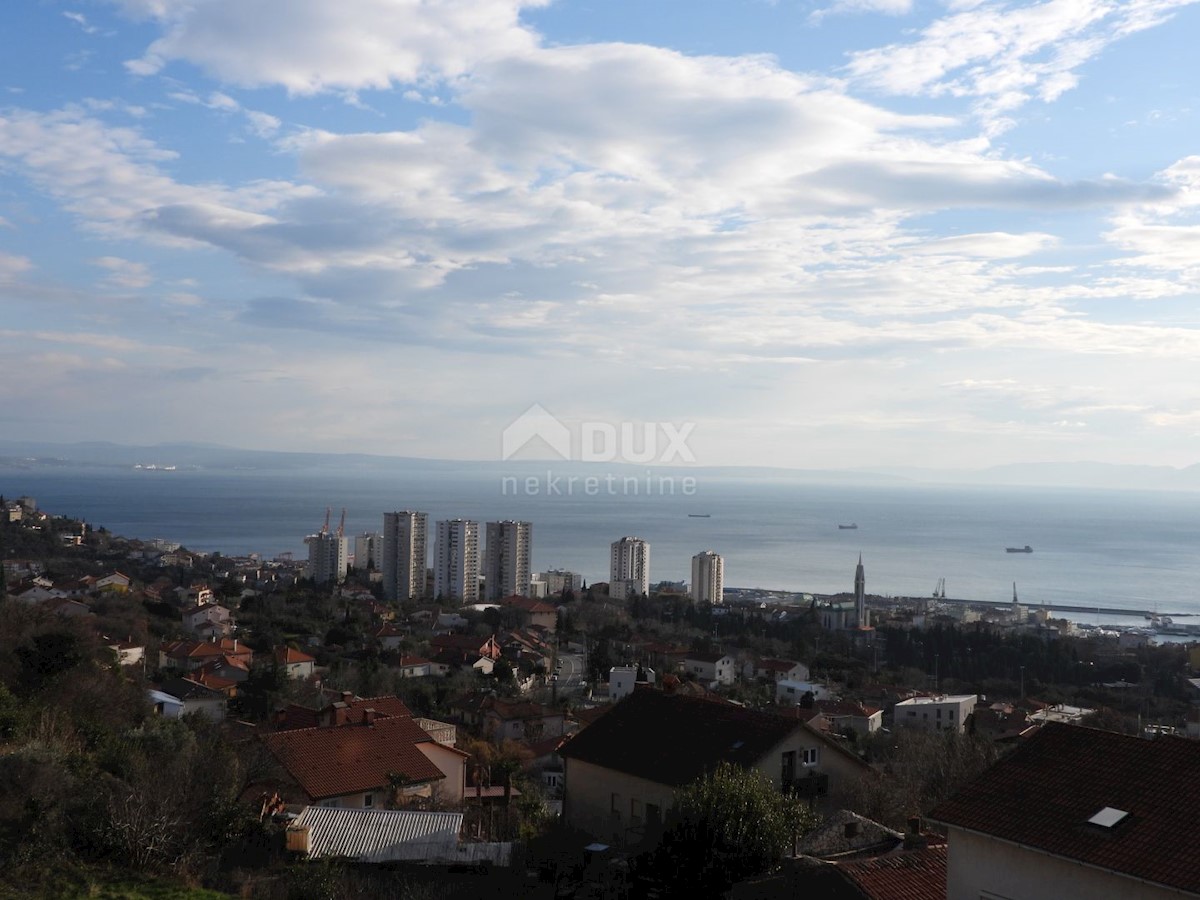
{"points": [[559, 580], [327, 557], [368, 551], [507, 568], [942, 712], [456, 561], [404, 554], [708, 577], [629, 568]]}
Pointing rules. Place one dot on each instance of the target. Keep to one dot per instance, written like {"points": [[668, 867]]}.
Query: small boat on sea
{"points": [[851, 527], [1025, 549], [699, 515]]}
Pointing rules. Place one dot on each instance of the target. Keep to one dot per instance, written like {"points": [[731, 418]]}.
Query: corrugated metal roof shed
{"points": [[380, 835]]}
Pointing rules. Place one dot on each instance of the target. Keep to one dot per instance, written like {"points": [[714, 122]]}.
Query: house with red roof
{"points": [[533, 613], [776, 670], [295, 663], [187, 656], [387, 636], [363, 753], [846, 715], [1078, 812]]}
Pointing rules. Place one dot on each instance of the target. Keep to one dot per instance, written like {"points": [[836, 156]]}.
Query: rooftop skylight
{"points": [[1108, 817]]}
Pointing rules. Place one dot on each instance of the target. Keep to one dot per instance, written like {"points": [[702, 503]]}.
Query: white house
{"points": [[941, 712], [792, 692], [776, 670], [621, 680], [711, 667]]}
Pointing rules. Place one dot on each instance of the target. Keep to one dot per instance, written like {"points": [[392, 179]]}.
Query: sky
{"points": [[800, 233]]}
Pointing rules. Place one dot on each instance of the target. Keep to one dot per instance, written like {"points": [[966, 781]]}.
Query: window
{"points": [[368, 800], [616, 806], [939, 713], [912, 713], [635, 810], [788, 769], [952, 714], [812, 756]]}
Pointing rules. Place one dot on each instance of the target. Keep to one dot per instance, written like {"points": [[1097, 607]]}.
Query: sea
{"points": [[1093, 548]]}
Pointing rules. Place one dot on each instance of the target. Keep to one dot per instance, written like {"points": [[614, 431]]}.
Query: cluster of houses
{"points": [[1070, 810]]}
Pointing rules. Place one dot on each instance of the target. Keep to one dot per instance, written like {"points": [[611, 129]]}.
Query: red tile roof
{"points": [[775, 665], [347, 710], [528, 604], [191, 649], [911, 875], [287, 656], [1043, 794], [330, 762]]}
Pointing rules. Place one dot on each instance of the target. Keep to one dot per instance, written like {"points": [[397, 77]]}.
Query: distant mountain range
{"points": [[40, 454]]}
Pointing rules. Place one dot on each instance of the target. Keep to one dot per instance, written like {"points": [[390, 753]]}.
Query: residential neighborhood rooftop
{"points": [[1045, 794], [673, 739]]}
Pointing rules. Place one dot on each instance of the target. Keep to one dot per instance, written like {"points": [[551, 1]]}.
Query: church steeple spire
{"points": [[860, 593]]}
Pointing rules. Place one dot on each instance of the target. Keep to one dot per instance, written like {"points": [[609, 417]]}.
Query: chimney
{"points": [[913, 838], [369, 716], [347, 696]]}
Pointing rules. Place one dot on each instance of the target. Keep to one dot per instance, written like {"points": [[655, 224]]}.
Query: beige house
{"points": [[622, 771], [1076, 812]]}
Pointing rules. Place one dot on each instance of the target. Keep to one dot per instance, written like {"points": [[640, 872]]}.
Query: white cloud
{"points": [[11, 265], [1003, 55], [81, 20], [111, 177], [125, 273], [310, 46], [887, 7]]}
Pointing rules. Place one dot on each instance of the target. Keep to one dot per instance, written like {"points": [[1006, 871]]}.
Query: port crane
{"points": [[939, 590]]}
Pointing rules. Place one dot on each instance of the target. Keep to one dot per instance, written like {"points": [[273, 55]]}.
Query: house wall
{"points": [[589, 806], [942, 715], [453, 765], [589, 789], [722, 671], [213, 710], [792, 692], [981, 867], [299, 669]]}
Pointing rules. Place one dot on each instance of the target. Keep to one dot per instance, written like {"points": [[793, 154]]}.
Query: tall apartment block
{"points": [[456, 561], [368, 551], [559, 580], [404, 555], [509, 548], [327, 557], [629, 568], [708, 577]]}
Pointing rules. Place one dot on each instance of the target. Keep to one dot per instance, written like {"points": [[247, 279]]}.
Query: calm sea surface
{"points": [[1091, 548]]}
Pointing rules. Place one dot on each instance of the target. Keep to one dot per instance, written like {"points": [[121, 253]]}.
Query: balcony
{"points": [[808, 786]]}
